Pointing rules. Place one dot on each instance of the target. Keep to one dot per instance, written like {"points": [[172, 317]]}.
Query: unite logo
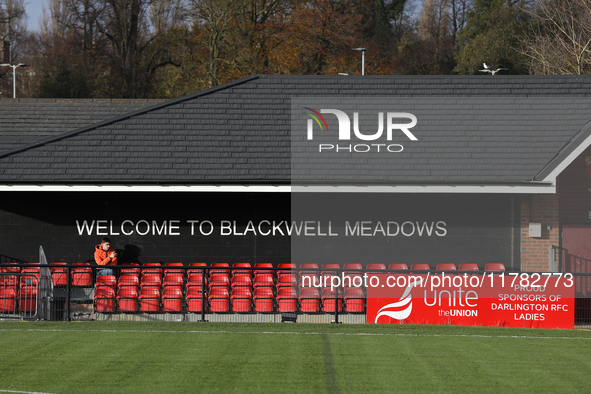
{"points": [[402, 308], [391, 119]]}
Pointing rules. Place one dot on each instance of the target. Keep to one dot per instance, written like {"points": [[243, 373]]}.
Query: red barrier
{"points": [[527, 300]]}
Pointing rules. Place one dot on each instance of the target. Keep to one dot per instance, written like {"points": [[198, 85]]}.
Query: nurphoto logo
{"points": [[395, 122]]}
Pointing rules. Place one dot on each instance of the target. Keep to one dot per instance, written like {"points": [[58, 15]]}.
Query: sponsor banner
{"points": [[508, 300]]}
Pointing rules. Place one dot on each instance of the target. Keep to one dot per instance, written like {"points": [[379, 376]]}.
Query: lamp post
{"points": [[362, 59], [14, 67]]}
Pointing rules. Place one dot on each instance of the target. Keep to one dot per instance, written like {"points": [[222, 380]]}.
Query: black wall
{"points": [[28, 220], [478, 228]]}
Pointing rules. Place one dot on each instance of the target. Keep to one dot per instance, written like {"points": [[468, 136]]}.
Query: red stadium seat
{"points": [[131, 270], [246, 271], [173, 277], [354, 300], [308, 278], [287, 299], [219, 279], [328, 299], [446, 267], [129, 279], [326, 276], [59, 274], [285, 269], [104, 299], [11, 281], [398, 266], [195, 277], [151, 279], [27, 299], [263, 280], [309, 299], [494, 267], [375, 267], [287, 279], [172, 299], [151, 268], [194, 299], [468, 267], [219, 299], [353, 278], [263, 265], [127, 297], [243, 279], [7, 299], [149, 299], [106, 281], [241, 299], [82, 276], [14, 270], [220, 268], [263, 299], [151, 275], [420, 267]]}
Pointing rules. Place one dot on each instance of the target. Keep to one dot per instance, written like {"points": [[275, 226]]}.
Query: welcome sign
{"points": [[529, 300]]}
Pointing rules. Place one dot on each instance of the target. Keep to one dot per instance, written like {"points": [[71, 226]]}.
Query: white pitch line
{"points": [[300, 333], [22, 392]]}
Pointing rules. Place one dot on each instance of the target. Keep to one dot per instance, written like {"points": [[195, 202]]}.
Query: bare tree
{"points": [[217, 19], [12, 28], [560, 40]]}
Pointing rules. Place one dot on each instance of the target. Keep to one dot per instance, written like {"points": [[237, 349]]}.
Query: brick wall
{"points": [[538, 208]]}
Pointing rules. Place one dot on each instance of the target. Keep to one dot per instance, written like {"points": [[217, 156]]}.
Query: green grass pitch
{"points": [[158, 357]]}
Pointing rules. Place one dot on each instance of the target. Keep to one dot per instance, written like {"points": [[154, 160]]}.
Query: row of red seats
{"points": [[220, 299]]}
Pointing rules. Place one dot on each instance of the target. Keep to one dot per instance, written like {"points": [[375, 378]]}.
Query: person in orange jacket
{"points": [[104, 255]]}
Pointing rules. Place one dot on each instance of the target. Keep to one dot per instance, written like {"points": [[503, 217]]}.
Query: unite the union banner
{"points": [[529, 300]]}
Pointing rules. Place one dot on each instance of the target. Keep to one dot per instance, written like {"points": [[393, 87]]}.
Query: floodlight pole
{"points": [[362, 50], [14, 67]]}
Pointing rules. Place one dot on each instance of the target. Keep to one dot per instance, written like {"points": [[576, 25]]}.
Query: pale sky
{"points": [[33, 8]]}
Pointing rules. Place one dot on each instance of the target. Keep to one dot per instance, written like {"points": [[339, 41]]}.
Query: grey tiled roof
{"points": [[24, 121], [240, 132]]}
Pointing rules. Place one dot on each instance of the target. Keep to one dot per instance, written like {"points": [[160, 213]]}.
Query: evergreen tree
{"points": [[491, 36]]}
